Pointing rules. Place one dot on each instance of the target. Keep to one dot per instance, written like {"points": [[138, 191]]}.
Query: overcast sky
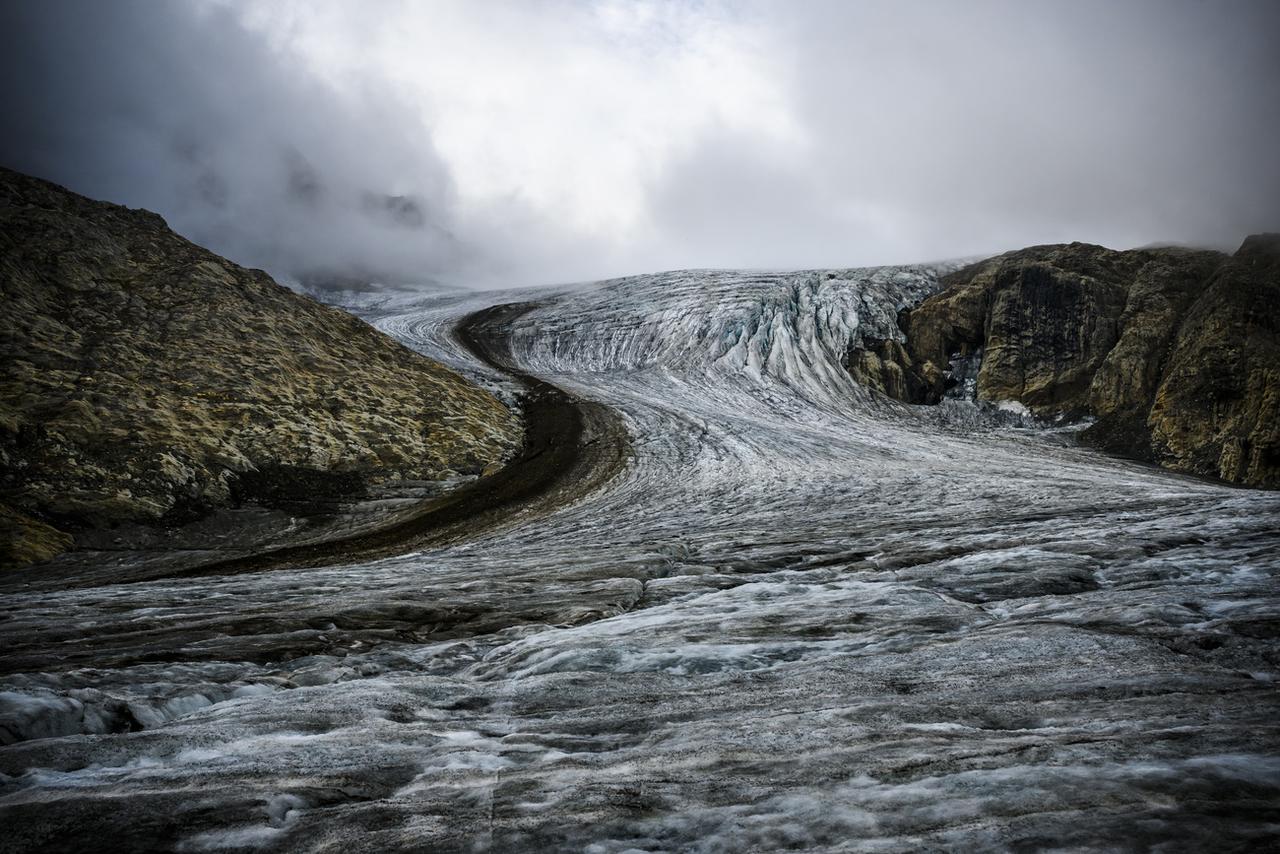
{"points": [[487, 143]]}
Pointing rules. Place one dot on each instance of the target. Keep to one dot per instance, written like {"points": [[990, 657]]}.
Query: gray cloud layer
{"points": [[929, 130], [182, 111]]}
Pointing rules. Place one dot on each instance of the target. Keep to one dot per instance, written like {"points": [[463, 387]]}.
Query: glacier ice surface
{"points": [[802, 617]]}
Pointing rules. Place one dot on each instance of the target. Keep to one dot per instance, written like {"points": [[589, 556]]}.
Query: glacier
{"points": [[801, 617]]}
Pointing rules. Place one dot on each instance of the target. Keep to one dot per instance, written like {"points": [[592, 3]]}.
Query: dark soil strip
{"points": [[571, 446]]}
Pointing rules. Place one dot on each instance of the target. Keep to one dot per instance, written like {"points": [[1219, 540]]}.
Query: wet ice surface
{"points": [[799, 618]]}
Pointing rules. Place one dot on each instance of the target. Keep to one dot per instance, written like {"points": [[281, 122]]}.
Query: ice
{"points": [[801, 616]]}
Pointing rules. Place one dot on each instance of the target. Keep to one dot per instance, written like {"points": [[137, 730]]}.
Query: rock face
{"points": [[1174, 352], [144, 378], [1217, 408]]}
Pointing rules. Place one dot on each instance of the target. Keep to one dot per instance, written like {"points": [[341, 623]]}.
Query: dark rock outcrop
{"points": [[1174, 352], [1217, 408], [143, 378], [883, 364]]}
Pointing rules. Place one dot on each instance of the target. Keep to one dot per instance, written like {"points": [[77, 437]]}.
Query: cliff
{"points": [[1174, 353]]}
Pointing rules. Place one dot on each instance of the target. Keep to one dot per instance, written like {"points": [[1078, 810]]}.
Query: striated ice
{"points": [[801, 617]]}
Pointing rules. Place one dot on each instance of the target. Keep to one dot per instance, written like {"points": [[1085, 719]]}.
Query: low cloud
{"points": [[184, 111], [490, 144]]}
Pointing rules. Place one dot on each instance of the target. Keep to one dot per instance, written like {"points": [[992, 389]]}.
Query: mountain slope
{"points": [[145, 378], [1174, 352]]}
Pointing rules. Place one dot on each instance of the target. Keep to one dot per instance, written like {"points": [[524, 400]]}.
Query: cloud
{"points": [[999, 124], [182, 110], [518, 143]]}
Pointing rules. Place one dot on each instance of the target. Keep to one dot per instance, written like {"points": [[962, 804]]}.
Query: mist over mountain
{"points": [[181, 110], [410, 143]]}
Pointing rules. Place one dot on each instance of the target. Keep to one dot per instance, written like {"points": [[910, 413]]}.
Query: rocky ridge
{"points": [[1174, 353], [145, 379]]}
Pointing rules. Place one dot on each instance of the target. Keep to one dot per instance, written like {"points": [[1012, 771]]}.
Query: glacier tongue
{"points": [[800, 618]]}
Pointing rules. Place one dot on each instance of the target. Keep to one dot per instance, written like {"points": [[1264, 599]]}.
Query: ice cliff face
{"points": [[802, 617], [790, 331]]}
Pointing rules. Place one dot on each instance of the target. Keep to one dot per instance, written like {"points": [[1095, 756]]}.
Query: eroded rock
{"points": [[1173, 352]]}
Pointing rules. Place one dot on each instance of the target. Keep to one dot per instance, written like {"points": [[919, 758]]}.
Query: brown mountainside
{"points": [[145, 378]]}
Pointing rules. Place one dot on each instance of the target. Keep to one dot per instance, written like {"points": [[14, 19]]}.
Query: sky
{"points": [[489, 144]]}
